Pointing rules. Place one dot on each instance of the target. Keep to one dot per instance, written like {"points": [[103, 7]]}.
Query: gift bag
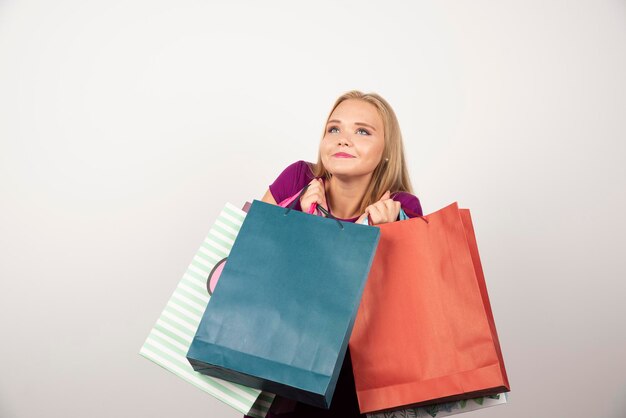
{"points": [[169, 340], [445, 409], [425, 332], [284, 307]]}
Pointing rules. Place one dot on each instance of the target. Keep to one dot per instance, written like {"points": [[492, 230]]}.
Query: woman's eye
{"points": [[333, 129], [364, 131]]}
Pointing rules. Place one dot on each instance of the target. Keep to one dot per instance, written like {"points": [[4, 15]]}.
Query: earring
{"points": [[386, 159]]}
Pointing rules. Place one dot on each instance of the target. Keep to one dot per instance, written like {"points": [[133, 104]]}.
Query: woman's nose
{"points": [[344, 140]]}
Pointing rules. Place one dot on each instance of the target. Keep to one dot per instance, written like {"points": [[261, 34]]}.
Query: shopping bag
{"points": [[169, 340], [285, 304], [425, 332], [446, 409]]}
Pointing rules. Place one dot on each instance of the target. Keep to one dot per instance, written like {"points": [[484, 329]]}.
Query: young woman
{"points": [[361, 169], [360, 172]]}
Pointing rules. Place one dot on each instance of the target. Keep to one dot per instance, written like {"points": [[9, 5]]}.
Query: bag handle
{"points": [[402, 216], [291, 202]]}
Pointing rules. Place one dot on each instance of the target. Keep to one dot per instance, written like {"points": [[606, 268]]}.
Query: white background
{"points": [[126, 125]]}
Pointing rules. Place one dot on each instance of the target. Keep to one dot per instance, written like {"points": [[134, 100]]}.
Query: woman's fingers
{"points": [[393, 209], [313, 194], [389, 205], [321, 194], [375, 214], [383, 211]]}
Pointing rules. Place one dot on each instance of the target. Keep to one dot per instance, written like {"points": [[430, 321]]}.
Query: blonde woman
{"points": [[360, 175], [360, 170]]}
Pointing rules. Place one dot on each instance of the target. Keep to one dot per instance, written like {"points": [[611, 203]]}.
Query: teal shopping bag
{"points": [[283, 310]]}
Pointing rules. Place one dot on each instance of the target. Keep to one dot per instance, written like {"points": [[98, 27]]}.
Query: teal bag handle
{"points": [[320, 207]]}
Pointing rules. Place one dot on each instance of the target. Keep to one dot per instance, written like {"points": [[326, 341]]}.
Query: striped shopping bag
{"points": [[169, 340]]}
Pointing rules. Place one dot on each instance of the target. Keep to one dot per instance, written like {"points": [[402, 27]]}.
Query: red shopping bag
{"points": [[425, 332]]}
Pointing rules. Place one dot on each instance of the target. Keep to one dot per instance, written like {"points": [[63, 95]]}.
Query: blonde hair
{"points": [[391, 173]]}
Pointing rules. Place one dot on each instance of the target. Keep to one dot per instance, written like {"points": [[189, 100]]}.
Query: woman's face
{"points": [[354, 140]]}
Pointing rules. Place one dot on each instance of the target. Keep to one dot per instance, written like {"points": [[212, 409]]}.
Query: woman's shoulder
{"points": [[301, 171], [305, 168], [409, 201], [293, 178]]}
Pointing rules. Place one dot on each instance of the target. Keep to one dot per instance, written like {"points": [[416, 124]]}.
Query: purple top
{"points": [[299, 174]]}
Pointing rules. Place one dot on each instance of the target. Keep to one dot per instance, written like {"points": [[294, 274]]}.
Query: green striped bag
{"points": [[169, 340]]}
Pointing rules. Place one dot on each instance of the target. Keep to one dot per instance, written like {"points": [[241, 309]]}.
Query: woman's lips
{"points": [[343, 155]]}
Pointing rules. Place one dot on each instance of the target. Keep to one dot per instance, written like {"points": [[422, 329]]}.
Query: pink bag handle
{"points": [[289, 200]]}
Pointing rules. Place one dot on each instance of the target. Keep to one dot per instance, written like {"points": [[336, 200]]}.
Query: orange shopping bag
{"points": [[424, 332]]}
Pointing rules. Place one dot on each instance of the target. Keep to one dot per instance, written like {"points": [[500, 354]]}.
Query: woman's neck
{"points": [[344, 195]]}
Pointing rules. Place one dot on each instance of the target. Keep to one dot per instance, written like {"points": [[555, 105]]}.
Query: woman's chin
{"points": [[346, 171], [340, 168], [346, 167]]}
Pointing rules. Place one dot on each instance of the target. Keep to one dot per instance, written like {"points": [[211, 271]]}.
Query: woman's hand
{"points": [[315, 193], [383, 211]]}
